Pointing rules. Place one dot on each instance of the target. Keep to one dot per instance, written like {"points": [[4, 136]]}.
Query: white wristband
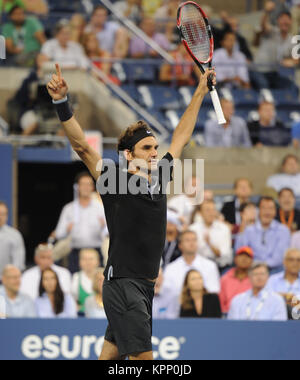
{"points": [[60, 101]]}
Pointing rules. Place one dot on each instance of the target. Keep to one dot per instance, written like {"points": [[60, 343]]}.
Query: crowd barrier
{"points": [[185, 339]]}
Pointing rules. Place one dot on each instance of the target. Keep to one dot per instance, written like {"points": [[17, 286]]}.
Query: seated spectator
{"points": [[83, 220], [248, 212], [184, 204], [267, 130], [39, 7], [268, 238], [214, 236], [140, 49], [295, 243], [77, 26], [275, 48], [289, 177], [243, 190], [166, 17], [52, 301], [171, 251], [296, 135], [150, 7], [175, 273], [182, 72], [231, 64], [287, 283], [196, 302], [112, 38], [63, 51], [287, 213], [236, 280], [44, 260], [129, 9], [259, 303], [12, 249], [232, 134], [24, 37], [94, 304], [17, 305], [82, 283]]}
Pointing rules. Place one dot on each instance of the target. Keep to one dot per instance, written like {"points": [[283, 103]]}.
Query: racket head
{"points": [[195, 32]]}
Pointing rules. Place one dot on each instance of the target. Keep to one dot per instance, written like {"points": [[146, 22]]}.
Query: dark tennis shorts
{"points": [[128, 307]]}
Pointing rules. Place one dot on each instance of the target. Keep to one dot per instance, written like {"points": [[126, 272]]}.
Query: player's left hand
{"points": [[210, 74]]}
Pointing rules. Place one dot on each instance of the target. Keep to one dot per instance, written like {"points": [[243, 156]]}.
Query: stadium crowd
{"points": [[240, 261]]}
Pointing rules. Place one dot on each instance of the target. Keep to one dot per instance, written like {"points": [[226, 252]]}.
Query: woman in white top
{"points": [[94, 304], [52, 302], [82, 283]]}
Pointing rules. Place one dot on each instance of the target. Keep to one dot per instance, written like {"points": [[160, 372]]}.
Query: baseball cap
{"points": [[247, 250]]}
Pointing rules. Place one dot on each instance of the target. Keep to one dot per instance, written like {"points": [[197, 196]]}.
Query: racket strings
{"points": [[195, 33]]}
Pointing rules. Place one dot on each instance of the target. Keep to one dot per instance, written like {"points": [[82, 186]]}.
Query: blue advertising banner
{"points": [[6, 173], [188, 339]]}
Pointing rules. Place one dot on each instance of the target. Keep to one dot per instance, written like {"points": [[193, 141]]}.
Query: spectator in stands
{"points": [[268, 130], [295, 243], [287, 213], [39, 7], [52, 301], [232, 134], [274, 48], [214, 236], [289, 177], [112, 38], [248, 213], [44, 260], [94, 304], [140, 49], [287, 283], [183, 72], [171, 251], [243, 190], [150, 7], [129, 9], [296, 135], [268, 238], [175, 273], [260, 303], [184, 204], [83, 220], [231, 64], [166, 17], [77, 26], [196, 302], [12, 249], [17, 305], [236, 280], [62, 50], [82, 283], [24, 37]]}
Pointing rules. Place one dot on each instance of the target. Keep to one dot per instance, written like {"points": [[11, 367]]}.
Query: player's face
{"points": [[44, 260], [259, 278], [12, 280], [49, 282], [145, 154], [292, 262], [287, 201], [243, 261], [3, 215]]}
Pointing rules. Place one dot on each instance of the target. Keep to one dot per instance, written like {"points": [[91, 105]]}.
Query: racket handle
{"points": [[217, 105]]}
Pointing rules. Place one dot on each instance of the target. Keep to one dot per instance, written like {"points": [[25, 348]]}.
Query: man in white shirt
{"points": [[214, 236], [175, 273], [231, 65], [32, 277], [62, 50], [84, 220]]}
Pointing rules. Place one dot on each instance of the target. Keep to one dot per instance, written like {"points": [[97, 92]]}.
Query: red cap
{"points": [[247, 250]]}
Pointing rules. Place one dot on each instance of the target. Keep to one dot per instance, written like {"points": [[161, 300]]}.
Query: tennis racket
{"points": [[198, 39]]}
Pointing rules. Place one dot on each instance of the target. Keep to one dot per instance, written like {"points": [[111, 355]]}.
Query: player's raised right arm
{"points": [[58, 91]]}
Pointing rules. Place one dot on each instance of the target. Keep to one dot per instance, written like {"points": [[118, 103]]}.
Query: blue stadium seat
{"points": [[245, 98], [139, 72], [66, 6], [286, 98], [243, 113], [132, 91], [159, 97], [288, 72], [186, 93]]}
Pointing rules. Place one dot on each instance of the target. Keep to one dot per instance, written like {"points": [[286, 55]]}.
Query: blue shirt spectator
{"points": [[268, 238], [259, 303], [13, 303], [44, 307], [233, 134]]}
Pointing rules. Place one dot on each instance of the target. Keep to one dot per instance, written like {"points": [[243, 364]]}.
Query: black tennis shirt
{"points": [[136, 220]]}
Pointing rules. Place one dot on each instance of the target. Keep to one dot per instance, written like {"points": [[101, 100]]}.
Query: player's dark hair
{"points": [[286, 189], [82, 175], [130, 132], [268, 199], [59, 298]]}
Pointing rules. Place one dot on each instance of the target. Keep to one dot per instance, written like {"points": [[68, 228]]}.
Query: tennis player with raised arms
{"points": [[136, 222]]}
